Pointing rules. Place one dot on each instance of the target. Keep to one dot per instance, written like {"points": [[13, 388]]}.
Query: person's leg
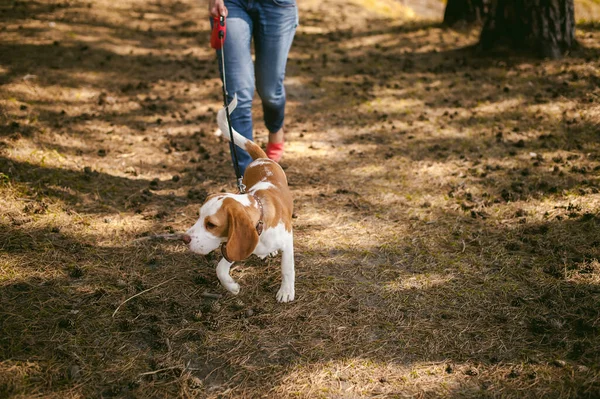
{"points": [[239, 72], [273, 35]]}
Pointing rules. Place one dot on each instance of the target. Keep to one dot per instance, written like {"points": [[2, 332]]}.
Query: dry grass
{"points": [[447, 238]]}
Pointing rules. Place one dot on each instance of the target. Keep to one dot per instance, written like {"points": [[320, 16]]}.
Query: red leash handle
{"points": [[217, 37]]}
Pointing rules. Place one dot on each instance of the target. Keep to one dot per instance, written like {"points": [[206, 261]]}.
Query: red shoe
{"points": [[275, 151]]}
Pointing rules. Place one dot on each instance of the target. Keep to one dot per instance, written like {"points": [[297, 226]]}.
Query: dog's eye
{"points": [[210, 225]]}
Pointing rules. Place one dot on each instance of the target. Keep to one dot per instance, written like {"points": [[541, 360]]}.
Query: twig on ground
{"points": [[160, 370], [138, 294], [210, 295], [168, 237]]}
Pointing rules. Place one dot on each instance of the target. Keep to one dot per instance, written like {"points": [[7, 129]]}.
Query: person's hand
{"points": [[217, 8]]}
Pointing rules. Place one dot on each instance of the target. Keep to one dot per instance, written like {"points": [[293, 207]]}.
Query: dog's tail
{"points": [[253, 149]]}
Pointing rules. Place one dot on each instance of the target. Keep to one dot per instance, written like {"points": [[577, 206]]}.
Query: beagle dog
{"points": [[258, 222]]}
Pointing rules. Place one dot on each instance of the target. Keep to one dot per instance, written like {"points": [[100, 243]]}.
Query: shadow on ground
{"points": [[447, 209]]}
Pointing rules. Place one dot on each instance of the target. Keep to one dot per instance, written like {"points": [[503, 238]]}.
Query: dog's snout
{"points": [[186, 238]]}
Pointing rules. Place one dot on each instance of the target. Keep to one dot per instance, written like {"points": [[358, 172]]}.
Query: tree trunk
{"points": [[544, 27], [467, 11]]}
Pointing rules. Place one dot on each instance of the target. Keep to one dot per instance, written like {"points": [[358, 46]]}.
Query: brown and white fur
{"points": [[233, 218]]}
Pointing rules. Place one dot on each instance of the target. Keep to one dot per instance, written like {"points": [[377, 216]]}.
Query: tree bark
{"points": [[467, 11], [544, 27]]}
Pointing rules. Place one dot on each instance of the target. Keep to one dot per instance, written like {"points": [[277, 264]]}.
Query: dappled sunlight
{"points": [[317, 149], [363, 376], [387, 8], [586, 272], [394, 105], [310, 30], [40, 157], [421, 281], [445, 210], [593, 113], [392, 198], [330, 230], [362, 240], [586, 11], [553, 109], [502, 106], [17, 372], [53, 95], [368, 171], [418, 40]]}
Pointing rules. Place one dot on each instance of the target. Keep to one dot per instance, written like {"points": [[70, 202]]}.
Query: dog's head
{"points": [[224, 218]]}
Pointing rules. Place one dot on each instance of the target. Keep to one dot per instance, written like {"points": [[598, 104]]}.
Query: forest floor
{"points": [[447, 205]]}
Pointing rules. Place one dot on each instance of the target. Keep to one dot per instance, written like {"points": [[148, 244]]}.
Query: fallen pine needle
{"points": [[159, 371], [138, 294]]}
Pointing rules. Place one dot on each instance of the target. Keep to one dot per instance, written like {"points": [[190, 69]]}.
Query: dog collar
{"points": [[224, 252], [259, 228]]}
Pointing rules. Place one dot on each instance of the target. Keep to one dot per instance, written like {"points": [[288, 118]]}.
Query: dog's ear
{"points": [[242, 236]]}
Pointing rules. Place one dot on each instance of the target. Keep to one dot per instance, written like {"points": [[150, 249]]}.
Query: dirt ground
{"points": [[447, 210]]}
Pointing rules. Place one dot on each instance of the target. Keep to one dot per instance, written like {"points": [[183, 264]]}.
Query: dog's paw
{"points": [[273, 254], [233, 288], [286, 294]]}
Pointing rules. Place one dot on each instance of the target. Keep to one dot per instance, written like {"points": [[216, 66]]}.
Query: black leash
{"points": [[219, 26]]}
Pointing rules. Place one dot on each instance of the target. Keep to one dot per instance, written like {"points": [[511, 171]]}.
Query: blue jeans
{"points": [[272, 24]]}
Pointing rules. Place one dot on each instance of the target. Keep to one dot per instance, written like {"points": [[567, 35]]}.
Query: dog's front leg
{"points": [[287, 291], [224, 277]]}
